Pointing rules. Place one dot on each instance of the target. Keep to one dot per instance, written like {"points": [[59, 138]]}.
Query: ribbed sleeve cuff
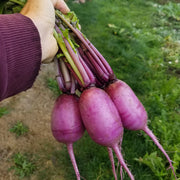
{"points": [[21, 41]]}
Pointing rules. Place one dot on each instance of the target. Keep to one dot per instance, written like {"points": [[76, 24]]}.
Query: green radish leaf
{"points": [[60, 55], [72, 18], [66, 35]]}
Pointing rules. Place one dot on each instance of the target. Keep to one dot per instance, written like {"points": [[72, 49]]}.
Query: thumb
{"points": [[51, 51], [61, 5]]}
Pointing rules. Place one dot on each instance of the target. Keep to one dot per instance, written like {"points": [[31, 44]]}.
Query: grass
{"points": [[140, 40], [3, 111], [23, 165], [19, 129], [53, 86]]}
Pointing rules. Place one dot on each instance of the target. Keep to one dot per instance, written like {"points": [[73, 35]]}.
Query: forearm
{"points": [[20, 54]]}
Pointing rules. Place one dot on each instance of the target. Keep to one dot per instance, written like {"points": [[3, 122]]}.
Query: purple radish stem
{"points": [[103, 60], [73, 160], [98, 62], [62, 46], [100, 72], [85, 43], [61, 83], [59, 77], [57, 66], [99, 83], [66, 74], [73, 85], [85, 58], [112, 162], [81, 38], [74, 74], [75, 59], [88, 71], [78, 64]]}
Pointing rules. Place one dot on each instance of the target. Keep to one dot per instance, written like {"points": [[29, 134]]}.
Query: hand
{"points": [[42, 13]]}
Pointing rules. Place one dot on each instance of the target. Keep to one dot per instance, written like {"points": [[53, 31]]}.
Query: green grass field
{"points": [[141, 41]]}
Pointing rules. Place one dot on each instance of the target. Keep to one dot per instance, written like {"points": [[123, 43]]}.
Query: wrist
{"points": [[48, 43]]}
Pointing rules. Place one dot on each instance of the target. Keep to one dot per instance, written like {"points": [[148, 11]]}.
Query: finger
{"points": [[62, 6]]}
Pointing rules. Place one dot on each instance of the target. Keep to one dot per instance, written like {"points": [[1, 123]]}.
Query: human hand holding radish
{"points": [[42, 13]]}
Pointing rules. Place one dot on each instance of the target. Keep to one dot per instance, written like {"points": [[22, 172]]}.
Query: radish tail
{"points": [[112, 162], [153, 137], [121, 168], [73, 160], [121, 160], [121, 172]]}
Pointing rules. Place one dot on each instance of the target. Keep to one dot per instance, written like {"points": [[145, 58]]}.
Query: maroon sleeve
{"points": [[20, 54]]}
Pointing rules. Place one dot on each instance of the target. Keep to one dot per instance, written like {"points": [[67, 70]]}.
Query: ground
{"points": [[33, 108]]}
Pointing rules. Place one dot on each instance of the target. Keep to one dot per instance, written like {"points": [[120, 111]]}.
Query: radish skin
{"points": [[102, 121], [132, 112], [66, 124]]}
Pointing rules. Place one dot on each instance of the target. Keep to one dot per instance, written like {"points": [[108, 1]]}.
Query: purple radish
{"points": [[102, 121], [132, 112], [66, 124]]}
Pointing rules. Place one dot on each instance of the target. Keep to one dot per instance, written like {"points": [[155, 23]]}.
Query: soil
{"points": [[32, 107]]}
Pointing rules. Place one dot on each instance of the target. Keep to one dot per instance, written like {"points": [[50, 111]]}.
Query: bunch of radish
{"points": [[93, 98]]}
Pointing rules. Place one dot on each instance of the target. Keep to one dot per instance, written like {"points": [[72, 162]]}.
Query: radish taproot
{"points": [[102, 121], [66, 124], [132, 112], [111, 157]]}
